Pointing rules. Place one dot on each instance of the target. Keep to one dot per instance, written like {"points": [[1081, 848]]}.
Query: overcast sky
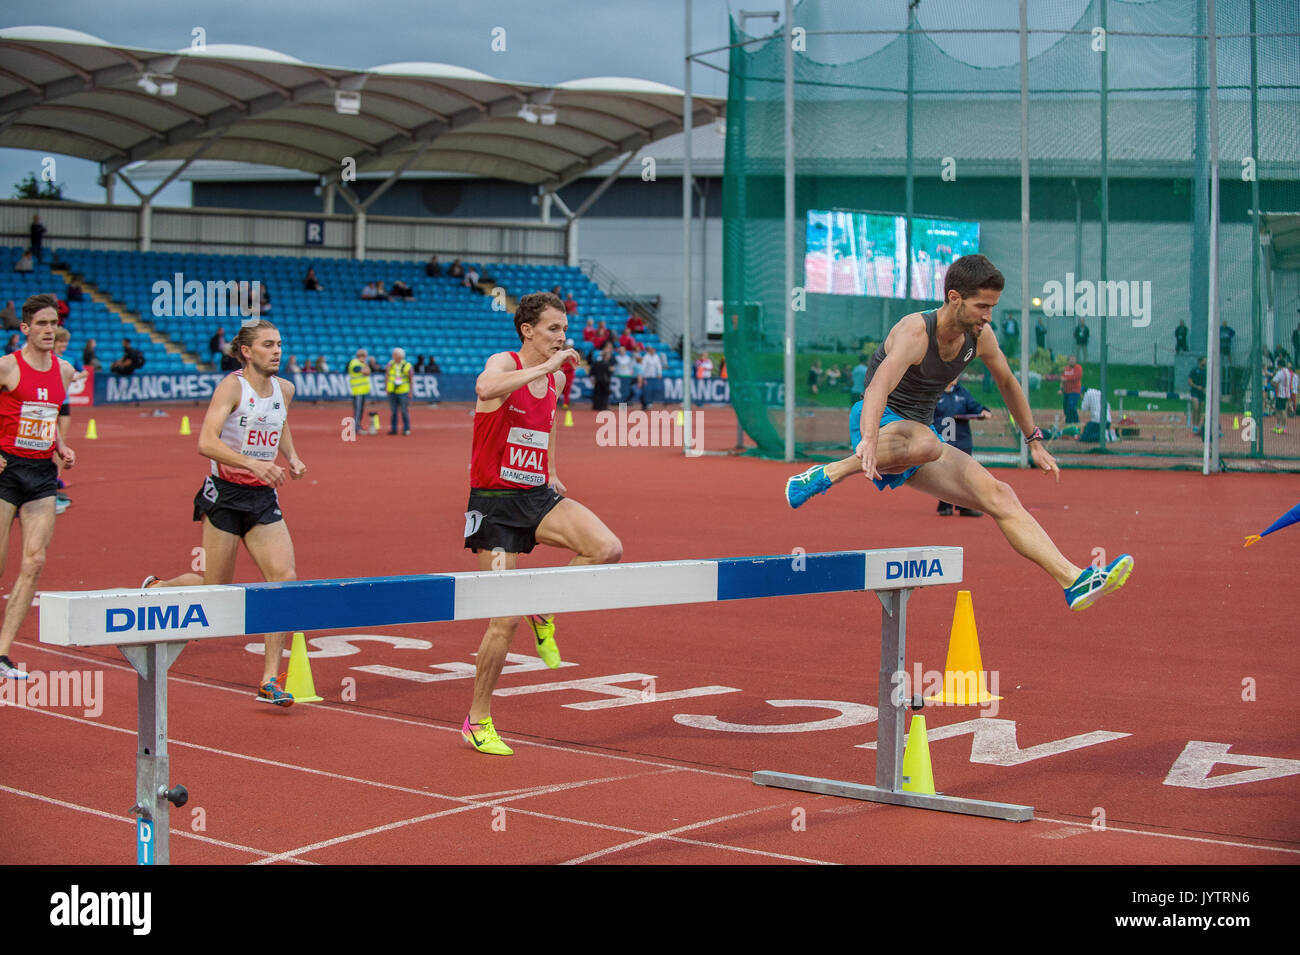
{"points": [[547, 41]]}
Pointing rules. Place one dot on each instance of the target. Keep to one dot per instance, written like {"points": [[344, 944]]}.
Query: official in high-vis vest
{"points": [[399, 390], [359, 384]]}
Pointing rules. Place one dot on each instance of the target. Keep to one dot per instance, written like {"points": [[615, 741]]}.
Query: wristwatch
{"points": [[1035, 435]]}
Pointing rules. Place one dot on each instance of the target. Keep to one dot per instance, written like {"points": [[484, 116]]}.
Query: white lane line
{"points": [[1170, 835]]}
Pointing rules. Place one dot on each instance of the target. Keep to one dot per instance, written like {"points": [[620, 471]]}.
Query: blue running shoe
{"points": [[1095, 582], [801, 487]]}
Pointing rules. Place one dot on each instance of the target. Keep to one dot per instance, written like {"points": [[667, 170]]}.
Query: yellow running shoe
{"points": [[544, 630], [483, 737]]}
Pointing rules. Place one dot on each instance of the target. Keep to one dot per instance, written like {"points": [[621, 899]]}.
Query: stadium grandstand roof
{"points": [[66, 92]]}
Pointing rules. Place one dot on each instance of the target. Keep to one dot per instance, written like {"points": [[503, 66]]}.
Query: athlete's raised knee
{"points": [[1002, 500], [608, 550], [924, 448]]}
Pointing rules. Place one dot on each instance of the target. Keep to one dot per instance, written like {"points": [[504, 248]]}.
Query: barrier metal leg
{"points": [[889, 748], [153, 797]]}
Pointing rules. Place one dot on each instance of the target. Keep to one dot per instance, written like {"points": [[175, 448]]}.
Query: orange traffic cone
{"points": [[965, 681]]}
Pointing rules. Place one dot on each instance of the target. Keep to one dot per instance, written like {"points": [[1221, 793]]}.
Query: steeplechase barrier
{"points": [[151, 628]]}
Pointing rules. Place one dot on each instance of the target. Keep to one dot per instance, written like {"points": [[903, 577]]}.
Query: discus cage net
{"points": [[1130, 109]]}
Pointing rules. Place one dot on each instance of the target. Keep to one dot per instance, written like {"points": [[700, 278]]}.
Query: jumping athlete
{"points": [[33, 384], [891, 427], [516, 500], [243, 432]]}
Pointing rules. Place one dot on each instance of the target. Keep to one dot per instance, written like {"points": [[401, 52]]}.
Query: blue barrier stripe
{"points": [[354, 602], [789, 574]]}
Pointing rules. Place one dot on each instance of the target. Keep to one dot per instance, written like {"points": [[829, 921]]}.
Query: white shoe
{"points": [[9, 671]]}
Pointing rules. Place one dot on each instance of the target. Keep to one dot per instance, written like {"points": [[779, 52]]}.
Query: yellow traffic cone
{"points": [[1236, 423], [299, 682], [568, 418], [964, 680], [185, 425], [91, 433], [374, 423], [681, 421], [918, 777]]}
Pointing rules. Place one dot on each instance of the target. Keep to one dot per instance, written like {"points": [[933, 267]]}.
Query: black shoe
{"points": [[945, 510], [967, 512]]}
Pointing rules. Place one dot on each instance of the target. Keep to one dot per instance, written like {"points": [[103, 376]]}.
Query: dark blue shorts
{"points": [[855, 438]]}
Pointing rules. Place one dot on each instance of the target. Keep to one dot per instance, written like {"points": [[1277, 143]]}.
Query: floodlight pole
{"points": [[1024, 217], [1103, 422], [687, 182], [788, 288], [1210, 431]]}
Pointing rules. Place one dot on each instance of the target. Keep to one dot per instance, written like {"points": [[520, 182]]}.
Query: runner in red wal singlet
{"points": [[516, 499], [245, 430], [33, 384]]}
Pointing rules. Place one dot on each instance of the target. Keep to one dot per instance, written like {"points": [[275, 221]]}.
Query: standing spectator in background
{"points": [[1180, 337], [1040, 337], [952, 417], [1081, 336], [311, 283], [570, 304], [1282, 396], [1071, 388], [815, 376], [24, 265], [625, 371], [832, 377], [432, 268], [569, 368], [398, 385], [1226, 335], [704, 365], [1295, 342], [88, 358], [1011, 334], [9, 316], [359, 386], [859, 383], [38, 238], [652, 377], [1196, 384], [600, 367]]}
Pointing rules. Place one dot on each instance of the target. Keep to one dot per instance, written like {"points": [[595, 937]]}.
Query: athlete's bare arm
{"points": [[905, 346], [296, 468], [9, 373], [500, 378], [988, 350], [555, 481], [224, 401]]}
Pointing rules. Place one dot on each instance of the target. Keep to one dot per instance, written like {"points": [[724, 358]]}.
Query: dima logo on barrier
{"points": [[907, 569], [117, 619]]}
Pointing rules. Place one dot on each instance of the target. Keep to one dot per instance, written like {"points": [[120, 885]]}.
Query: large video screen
{"points": [[861, 253]]}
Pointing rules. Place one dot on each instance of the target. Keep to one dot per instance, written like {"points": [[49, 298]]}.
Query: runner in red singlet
{"points": [[33, 384], [516, 499], [244, 431]]}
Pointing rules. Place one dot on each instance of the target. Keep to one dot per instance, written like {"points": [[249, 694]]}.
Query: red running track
{"points": [[1114, 716]]}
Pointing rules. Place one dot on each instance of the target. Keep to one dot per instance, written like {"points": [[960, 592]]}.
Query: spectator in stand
{"points": [[10, 316], [432, 268], [74, 292], [569, 368], [815, 376], [431, 366], [457, 270], [704, 365], [292, 367], [217, 344], [375, 367], [588, 331], [12, 345], [833, 378], [471, 279], [652, 378], [599, 367], [24, 265], [1071, 388], [402, 290], [62, 308], [311, 283], [371, 292], [570, 304], [627, 341], [322, 366], [557, 293], [266, 298], [131, 360], [88, 359], [37, 233], [635, 324]]}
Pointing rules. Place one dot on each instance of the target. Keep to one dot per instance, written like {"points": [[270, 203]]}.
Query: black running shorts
{"points": [[27, 479], [236, 508], [507, 519]]}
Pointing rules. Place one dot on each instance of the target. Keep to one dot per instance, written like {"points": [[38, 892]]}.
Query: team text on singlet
{"points": [[918, 391], [29, 413], [510, 444], [253, 429]]}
